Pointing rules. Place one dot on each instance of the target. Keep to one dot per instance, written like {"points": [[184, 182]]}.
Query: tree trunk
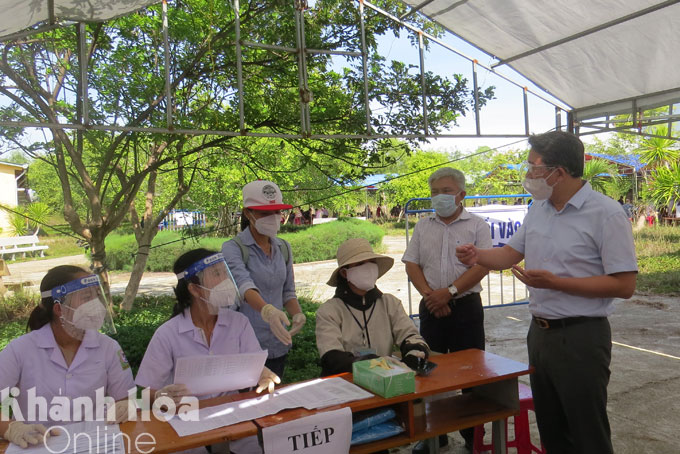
{"points": [[98, 249], [138, 268]]}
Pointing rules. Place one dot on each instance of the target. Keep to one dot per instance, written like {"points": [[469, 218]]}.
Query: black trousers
{"points": [[277, 365], [570, 386], [462, 329]]}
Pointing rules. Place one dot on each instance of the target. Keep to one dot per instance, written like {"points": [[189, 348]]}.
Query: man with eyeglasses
{"points": [[577, 245], [451, 313]]}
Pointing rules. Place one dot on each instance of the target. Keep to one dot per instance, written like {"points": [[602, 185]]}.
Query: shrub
{"points": [[320, 242], [135, 328]]}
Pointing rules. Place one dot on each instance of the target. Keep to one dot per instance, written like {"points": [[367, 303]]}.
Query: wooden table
{"points": [[167, 440], [494, 398]]}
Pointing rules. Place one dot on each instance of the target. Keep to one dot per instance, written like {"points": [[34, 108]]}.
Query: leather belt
{"points": [[545, 323]]}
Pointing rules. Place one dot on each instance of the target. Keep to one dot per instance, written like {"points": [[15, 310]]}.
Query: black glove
{"points": [[414, 362]]}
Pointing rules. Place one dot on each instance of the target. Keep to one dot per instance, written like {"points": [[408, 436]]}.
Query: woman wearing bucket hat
{"points": [[360, 321], [262, 266]]}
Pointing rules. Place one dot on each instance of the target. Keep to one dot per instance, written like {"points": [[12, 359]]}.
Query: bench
{"points": [[21, 245], [671, 221]]}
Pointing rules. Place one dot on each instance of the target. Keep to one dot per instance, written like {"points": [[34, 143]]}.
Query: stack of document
{"points": [[312, 394]]}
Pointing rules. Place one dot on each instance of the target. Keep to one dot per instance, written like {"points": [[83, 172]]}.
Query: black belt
{"points": [[545, 323]]}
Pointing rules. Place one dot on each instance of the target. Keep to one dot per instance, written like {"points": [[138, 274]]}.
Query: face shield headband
{"points": [[85, 306], [222, 294]]}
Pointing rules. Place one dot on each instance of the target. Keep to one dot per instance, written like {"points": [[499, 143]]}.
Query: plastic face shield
{"points": [[216, 281], [84, 306]]}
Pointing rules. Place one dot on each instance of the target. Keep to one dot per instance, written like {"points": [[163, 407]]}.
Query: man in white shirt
{"points": [[451, 313], [579, 255]]}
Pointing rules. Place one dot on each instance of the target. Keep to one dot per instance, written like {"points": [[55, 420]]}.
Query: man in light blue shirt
{"points": [[579, 255]]}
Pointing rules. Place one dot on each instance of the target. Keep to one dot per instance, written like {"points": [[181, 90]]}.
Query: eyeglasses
{"points": [[527, 167]]}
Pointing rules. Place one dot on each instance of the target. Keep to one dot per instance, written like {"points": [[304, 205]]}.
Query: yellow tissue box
{"points": [[384, 377]]}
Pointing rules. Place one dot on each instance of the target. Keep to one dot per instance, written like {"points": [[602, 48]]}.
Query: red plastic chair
{"points": [[522, 441]]}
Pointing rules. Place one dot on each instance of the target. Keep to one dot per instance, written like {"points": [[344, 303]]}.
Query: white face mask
{"points": [[221, 295], [268, 225], [90, 315], [538, 187], [363, 276], [445, 204]]}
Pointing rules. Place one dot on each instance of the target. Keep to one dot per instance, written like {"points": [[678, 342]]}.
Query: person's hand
{"points": [[535, 278], [277, 322], [437, 299], [415, 359], [467, 254], [267, 381], [119, 413], [174, 392], [443, 311], [299, 321], [22, 434]]}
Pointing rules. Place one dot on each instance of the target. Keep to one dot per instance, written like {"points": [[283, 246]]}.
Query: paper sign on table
{"points": [[211, 374], [323, 433]]}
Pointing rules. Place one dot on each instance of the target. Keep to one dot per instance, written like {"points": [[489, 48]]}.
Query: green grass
{"points": [[658, 253], [59, 246]]}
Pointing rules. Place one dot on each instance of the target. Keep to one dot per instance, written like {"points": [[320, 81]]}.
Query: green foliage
{"points": [[486, 172], [167, 246], [320, 242], [17, 222], [19, 306], [11, 330], [598, 172], [27, 218], [135, 328], [658, 151], [665, 187], [303, 361]]}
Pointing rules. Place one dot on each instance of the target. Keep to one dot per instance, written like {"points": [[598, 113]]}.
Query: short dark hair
{"points": [[182, 290], [559, 149]]}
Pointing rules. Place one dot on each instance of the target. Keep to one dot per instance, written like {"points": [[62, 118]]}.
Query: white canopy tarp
{"points": [[597, 56], [18, 15]]}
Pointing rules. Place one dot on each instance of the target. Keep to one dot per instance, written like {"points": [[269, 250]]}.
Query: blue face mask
{"points": [[444, 204]]}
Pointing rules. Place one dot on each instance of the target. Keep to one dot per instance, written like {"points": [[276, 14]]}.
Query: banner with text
{"points": [[503, 220]]}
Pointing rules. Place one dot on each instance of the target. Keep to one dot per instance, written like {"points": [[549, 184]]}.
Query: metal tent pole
{"points": [[421, 50], [475, 86], [166, 48], [364, 66], [239, 66]]}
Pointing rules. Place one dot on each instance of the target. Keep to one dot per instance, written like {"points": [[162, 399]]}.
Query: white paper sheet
{"points": [[312, 394], [211, 374], [75, 438]]}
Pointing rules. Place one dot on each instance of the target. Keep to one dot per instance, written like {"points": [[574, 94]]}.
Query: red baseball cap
{"points": [[263, 195]]}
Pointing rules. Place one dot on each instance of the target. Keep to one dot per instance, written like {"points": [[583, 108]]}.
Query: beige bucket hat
{"points": [[357, 250]]}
